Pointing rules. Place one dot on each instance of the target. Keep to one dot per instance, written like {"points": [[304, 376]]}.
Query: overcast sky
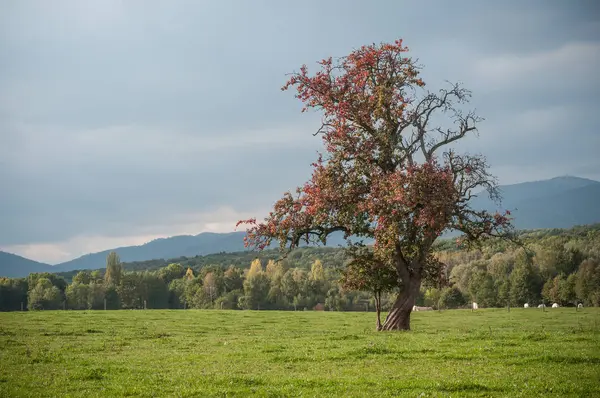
{"points": [[123, 121]]}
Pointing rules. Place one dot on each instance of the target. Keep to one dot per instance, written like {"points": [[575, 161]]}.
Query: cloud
{"points": [[568, 68], [124, 121], [222, 219]]}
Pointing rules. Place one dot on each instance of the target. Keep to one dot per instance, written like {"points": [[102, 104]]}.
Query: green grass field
{"points": [[269, 353]]}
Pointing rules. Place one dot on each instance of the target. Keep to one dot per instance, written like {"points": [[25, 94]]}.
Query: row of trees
{"points": [[552, 268], [273, 286]]}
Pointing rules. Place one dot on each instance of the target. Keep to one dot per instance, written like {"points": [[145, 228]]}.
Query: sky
{"points": [[125, 121]]}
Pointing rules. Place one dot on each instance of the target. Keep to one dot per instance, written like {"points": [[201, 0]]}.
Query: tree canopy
{"points": [[388, 172]]}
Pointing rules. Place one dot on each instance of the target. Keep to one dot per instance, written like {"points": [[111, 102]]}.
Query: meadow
{"points": [[492, 352]]}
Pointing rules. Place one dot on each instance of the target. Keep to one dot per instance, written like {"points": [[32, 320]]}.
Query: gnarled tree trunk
{"points": [[399, 316]]}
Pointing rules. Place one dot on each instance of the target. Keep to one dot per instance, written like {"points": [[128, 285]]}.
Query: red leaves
{"points": [[367, 87], [370, 183]]}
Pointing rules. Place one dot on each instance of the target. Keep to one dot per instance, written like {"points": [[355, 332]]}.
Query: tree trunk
{"points": [[399, 316], [378, 309]]}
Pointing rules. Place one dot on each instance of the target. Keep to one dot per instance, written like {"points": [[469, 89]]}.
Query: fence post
{"points": [[21, 306], [144, 304], [104, 304]]}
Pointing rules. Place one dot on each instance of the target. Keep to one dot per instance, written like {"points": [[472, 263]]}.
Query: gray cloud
{"points": [[123, 121]]}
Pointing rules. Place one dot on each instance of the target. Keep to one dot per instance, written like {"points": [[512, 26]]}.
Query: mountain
{"points": [[165, 248], [560, 202], [14, 266]]}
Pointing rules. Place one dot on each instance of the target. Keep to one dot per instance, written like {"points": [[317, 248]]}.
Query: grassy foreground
{"points": [[269, 353]]}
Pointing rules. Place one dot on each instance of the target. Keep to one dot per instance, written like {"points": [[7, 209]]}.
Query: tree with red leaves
{"points": [[388, 173]]}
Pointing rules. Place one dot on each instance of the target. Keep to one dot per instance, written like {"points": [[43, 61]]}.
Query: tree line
{"points": [[554, 266]]}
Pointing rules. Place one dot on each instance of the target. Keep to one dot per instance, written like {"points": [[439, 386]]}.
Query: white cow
{"points": [[579, 306], [555, 305], [475, 306], [415, 308], [542, 305], [526, 305]]}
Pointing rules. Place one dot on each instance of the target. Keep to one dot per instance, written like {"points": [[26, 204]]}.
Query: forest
{"points": [[550, 266]]}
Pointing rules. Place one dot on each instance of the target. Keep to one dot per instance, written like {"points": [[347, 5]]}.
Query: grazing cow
{"points": [[526, 305], [475, 306], [579, 306], [415, 308], [542, 305], [555, 305]]}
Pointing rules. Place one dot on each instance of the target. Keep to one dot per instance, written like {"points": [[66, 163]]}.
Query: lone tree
{"points": [[114, 269], [388, 173]]}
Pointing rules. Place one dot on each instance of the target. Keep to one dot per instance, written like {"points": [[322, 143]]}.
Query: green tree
{"points": [[171, 272], [567, 290], [176, 293], [77, 295], [97, 294], [233, 278], [256, 287], [482, 289], [83, 277], [587, 286], [114, 269], [111, 295], [45, 296], [96, 276], [13, 293], [452, 297], [432, 297], [130, 290], [524, 283], [156, 291]]}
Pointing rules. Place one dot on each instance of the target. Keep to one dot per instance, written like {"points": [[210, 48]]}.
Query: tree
{"points": [[524, 284], [176, 293], [130, 291], [77, 295], [233, 278], [96, 296], [114, 269], [96, 276], [13, 293], [209, 284], [587, 285], [365, 272], [189, 274], [171, 272], [567, 290], [451, 297], [482, 289], [275, 271], [388, 173], [45, 296], [83, 277], [256, 286], [155, 290]]}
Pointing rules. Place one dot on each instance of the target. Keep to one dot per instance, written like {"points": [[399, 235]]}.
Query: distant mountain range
{"points": [[14, 266], [561, 202]]}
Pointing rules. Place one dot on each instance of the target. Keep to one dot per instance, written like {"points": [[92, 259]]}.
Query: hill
{"points": [[13, 266], [561, 202], [175, 246]]}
